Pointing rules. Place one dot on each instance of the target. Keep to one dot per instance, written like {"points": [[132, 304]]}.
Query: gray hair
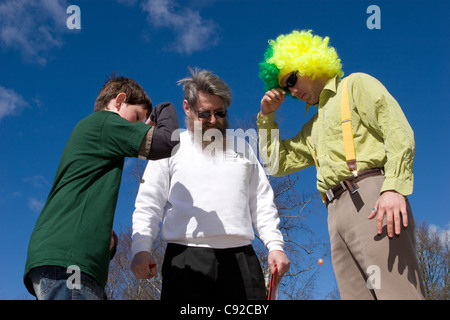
{"points": [[206, 82]]}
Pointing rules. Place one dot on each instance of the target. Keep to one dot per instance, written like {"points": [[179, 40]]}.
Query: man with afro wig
{"points": [[363, 148]]}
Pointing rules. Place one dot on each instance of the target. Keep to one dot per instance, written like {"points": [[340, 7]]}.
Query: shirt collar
{"points": [[329, 89]]}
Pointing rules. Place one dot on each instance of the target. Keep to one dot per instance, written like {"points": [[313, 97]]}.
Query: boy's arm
{"points": [[158, 142]]}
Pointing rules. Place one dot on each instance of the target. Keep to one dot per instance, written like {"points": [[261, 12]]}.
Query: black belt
{"points": [[350, 184]]}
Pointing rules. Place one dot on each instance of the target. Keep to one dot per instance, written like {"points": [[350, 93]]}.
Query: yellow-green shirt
{"points": [[382, 137]]}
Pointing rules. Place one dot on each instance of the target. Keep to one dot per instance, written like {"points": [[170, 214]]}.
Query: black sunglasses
{"points": [[207, 114], [291, 81]]}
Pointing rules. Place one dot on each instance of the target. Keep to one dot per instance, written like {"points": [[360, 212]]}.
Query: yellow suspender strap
{"points": [[347, 132], [315, 158]]}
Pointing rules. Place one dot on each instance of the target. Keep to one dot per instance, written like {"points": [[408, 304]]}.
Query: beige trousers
{"points": [[368, 265]]}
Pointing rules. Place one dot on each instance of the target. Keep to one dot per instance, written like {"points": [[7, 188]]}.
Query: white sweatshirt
{"points": [[206, 202]]}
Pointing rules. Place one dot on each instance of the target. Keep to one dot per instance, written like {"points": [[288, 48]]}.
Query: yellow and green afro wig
{"points": [[299, 51]]}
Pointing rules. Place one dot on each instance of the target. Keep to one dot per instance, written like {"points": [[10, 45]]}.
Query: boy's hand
{"points": [[150, 122]]}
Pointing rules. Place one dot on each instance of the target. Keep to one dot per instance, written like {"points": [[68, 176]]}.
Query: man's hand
{"points": [[272, 100], [143, 265], [393, 205], [280, 260]]}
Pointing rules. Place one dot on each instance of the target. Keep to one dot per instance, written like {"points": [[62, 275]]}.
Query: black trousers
{"points": [[195, 273]]}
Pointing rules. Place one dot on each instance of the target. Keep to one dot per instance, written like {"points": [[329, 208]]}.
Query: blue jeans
{"points": [[58, 283]]}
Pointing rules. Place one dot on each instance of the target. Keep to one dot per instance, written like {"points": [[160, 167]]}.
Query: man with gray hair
{"points": [[210, 200]]}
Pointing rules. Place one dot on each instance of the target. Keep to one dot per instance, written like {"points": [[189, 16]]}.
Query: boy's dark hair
{"points": [[115, 85]]}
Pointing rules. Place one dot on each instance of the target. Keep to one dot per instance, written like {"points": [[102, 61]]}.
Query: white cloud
{"points": [[37, 181], [443, 233], [193, 33], [35, 205], [10, 102], [32, 27]]}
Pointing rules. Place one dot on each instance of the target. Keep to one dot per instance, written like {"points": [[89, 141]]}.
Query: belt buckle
{"points": [[355, 189]]}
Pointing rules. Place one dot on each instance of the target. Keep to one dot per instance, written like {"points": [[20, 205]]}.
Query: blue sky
{"points": [[50, 76]]}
